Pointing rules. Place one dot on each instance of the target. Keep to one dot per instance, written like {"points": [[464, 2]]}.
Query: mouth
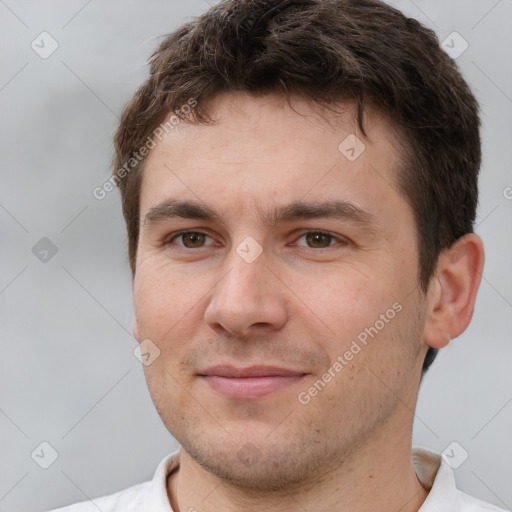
{"points": [[250, 382]]}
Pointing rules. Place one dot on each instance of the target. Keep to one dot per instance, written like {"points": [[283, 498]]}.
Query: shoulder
{"points": [[472, 504], [127, 500]]}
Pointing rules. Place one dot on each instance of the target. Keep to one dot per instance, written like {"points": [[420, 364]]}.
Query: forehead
{"points": [[277, 121], [265, 149]]}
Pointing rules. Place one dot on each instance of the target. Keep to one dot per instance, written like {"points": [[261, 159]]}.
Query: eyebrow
{"points": [[298, 210]]}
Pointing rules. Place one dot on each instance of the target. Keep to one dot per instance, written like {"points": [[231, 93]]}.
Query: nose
{"points": [[248, 299]]}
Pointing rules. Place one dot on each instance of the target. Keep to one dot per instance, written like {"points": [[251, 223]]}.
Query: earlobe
{"points": [[434, 334], [452, 291]]}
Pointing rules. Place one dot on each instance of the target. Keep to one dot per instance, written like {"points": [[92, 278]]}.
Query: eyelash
{"points": [[342, 240]]}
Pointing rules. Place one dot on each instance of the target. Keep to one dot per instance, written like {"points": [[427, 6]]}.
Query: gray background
{"points": [[68, 375]]}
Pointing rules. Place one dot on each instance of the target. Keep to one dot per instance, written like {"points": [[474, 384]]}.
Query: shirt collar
{"points": [[436, 475], [156, 498]]}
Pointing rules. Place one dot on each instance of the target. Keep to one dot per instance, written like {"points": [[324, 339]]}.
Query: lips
{"points": [[251, 371], [249, 382]]}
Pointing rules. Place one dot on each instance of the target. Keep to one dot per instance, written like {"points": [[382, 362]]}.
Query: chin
{"points": [[256, 466]]}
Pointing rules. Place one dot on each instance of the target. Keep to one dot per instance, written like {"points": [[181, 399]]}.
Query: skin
{"points": [[300, 304]]}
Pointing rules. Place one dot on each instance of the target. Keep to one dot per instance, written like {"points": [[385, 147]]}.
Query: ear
{"points": [[136, 325], [452, 290]]}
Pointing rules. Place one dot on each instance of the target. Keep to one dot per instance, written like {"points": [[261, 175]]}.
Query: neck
{"points": [[379, 475]]}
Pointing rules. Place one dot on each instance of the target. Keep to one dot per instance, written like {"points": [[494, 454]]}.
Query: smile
{"points": [[247, 383]]}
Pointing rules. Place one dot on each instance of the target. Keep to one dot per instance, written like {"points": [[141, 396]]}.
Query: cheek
{"points": [[369, 321], [347, 300], [163, 300]]}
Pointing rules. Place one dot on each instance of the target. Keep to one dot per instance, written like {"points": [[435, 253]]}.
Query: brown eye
{"points": [[318, 240], [195, 239], [189, 239]]}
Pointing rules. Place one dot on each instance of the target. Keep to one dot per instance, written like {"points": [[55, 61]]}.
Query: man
{"points": [[299, 183]]}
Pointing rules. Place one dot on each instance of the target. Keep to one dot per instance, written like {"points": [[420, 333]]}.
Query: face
{"points": [[277, 274]]}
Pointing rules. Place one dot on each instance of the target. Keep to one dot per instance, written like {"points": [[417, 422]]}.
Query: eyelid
{"points": [[339, 238], [169, 239]]}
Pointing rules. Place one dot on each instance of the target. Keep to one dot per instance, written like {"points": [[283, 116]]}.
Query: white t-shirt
{"points": [[432, 470]]}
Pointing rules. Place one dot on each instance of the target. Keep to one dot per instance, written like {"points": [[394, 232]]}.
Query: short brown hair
{"points": [[323, 51]]}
